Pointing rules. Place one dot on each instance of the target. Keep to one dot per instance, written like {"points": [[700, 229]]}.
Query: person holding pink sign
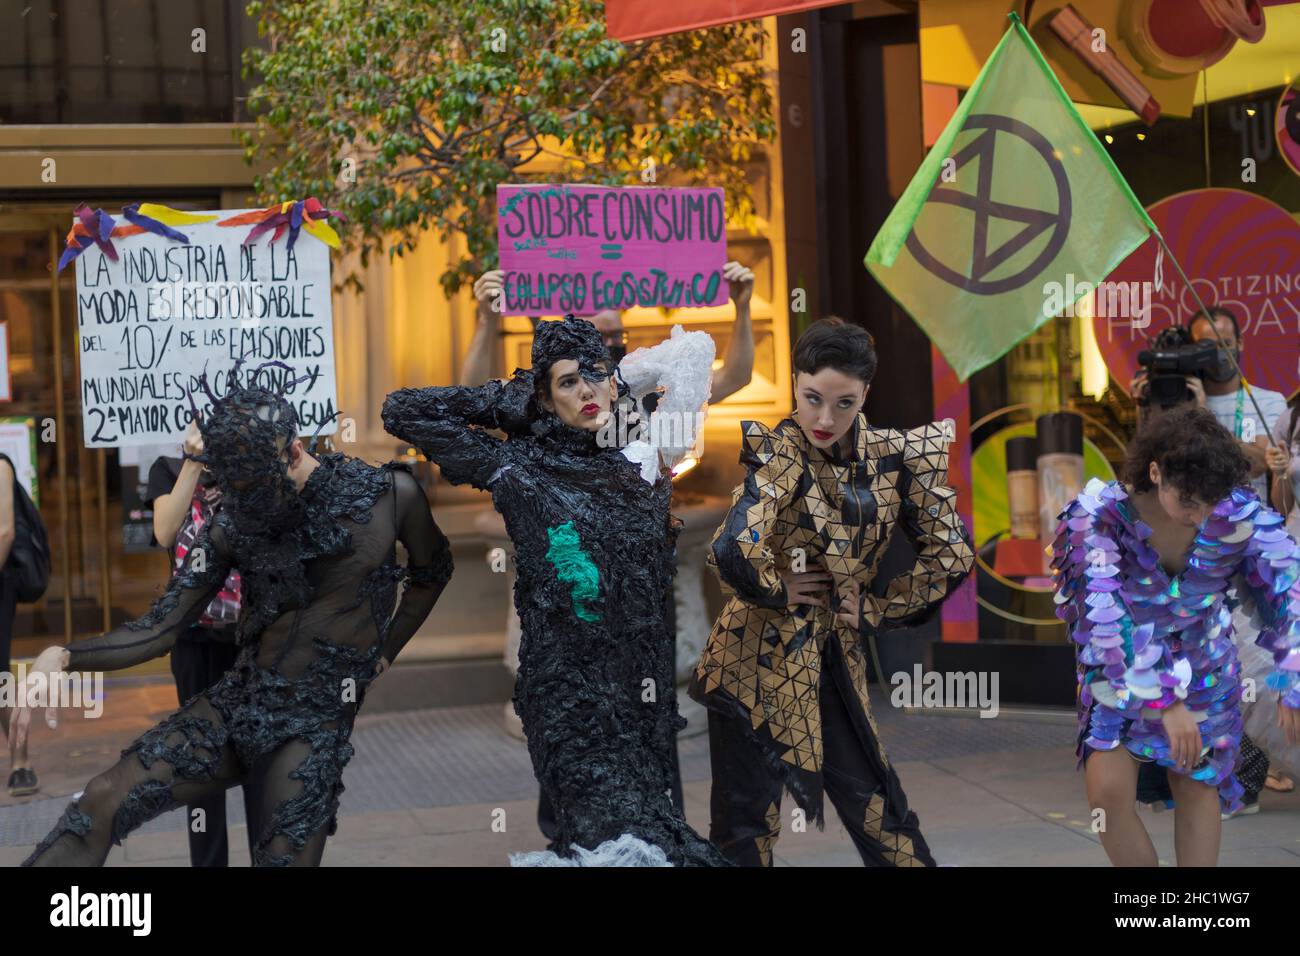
{"points": [[737, 367]]}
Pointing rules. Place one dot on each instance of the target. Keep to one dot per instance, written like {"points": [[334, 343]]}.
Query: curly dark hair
{"points": [[1195, 454]]}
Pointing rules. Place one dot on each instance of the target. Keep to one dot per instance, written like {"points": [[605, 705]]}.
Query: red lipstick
{"points": [[821, 435], [590, 409]]}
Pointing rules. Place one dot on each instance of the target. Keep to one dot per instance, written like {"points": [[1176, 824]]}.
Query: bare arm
{"points": [[1279, 484], [477, 368], [479, 365], [169, 510], [738, 366], [1254, 452], [1277, 495]]}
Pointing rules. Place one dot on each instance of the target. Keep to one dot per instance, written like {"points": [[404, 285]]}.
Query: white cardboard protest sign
{"points": [[150, 323]]}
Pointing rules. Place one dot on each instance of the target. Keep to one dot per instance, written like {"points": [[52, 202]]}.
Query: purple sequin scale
{"points": [[1151, 640]]}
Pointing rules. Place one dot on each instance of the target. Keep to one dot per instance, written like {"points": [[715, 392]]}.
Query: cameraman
{"points": [[1222, 392], [1225, 395]]}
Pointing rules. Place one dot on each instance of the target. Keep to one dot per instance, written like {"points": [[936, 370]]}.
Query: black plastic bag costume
{"points": [[594, 545], [320, 581]]}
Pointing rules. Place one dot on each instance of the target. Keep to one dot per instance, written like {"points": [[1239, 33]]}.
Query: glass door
{"points": [[95, 583]]}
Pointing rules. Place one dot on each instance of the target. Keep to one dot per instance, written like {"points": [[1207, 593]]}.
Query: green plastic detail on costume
{"points": [[574, 566]]}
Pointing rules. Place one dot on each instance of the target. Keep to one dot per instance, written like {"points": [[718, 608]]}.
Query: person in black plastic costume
{"points": [[594, 545], [314, 540]]}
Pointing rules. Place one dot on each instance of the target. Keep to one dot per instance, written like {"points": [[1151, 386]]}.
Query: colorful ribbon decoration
{"points": [[289, 217], [98, 228]]}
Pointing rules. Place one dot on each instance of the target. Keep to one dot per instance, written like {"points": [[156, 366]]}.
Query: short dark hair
{"points": [[1195, 454], [1208, 314], [833, 343]]}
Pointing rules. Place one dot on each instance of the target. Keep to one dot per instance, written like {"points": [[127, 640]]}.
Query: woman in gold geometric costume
{"points": [[784, 675]]}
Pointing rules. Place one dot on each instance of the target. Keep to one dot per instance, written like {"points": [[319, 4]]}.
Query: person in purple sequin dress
{"points": [[1147, 572]]}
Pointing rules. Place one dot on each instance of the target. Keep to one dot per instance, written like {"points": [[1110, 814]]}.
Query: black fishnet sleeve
{"points": [[428, 567], [191, 589]]}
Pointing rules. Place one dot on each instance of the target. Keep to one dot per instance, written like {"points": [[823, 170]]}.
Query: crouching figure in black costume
{"points": [[594, 542], [314, 540]]}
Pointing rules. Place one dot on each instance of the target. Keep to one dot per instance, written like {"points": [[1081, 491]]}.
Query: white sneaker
{"points": [[1246, 810]]}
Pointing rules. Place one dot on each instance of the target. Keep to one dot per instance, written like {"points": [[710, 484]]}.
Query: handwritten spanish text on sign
{"points": [[150, 323], [582, 249]]}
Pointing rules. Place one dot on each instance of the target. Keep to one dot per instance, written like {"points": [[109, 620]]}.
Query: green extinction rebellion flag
{"points": [[1017, 193]]}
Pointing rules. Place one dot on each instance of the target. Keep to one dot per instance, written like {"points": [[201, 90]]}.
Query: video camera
{"points": [[1172, 356]]}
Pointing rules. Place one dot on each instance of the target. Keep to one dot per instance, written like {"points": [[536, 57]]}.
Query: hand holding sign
{"points": [[740, 280], [490, 292]]}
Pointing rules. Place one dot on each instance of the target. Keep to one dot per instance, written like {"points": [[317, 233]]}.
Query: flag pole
{"points": [[1202, 309]]}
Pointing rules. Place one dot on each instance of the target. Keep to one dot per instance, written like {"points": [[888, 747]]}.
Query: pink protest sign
{"points": [[581, 249]]}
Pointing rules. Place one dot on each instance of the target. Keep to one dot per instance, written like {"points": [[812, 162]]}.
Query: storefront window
{"points": [[129, 61], [1227, 168]]}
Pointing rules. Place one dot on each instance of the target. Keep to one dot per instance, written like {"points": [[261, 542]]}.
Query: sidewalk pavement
{"points": [[426, 786]]}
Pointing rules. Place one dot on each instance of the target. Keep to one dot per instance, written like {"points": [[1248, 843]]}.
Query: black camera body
{"points": [[1173, 356]]}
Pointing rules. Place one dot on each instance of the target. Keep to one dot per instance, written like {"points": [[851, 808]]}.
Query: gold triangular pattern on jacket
{"points": [[765, 659]]}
